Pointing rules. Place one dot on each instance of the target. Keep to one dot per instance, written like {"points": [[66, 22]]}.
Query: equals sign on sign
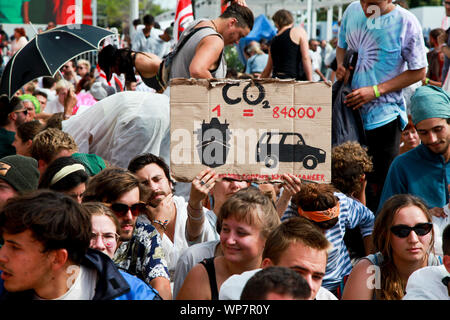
{"points": [[248, 113]]}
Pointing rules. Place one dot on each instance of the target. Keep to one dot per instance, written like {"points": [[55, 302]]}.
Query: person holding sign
{"points": [[246, 220], [180, 223], [334, 213]]}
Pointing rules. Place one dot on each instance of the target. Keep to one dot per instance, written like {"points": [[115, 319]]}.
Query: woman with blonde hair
{"points": [[403, 238], [246, 219]]}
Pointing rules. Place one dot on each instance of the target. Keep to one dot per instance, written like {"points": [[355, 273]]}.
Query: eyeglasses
{"points": [[121, 209], [108, 238], [420, 229]]}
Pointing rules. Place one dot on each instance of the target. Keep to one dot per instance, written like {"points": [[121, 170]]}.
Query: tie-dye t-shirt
{"points": [[387, 45]]}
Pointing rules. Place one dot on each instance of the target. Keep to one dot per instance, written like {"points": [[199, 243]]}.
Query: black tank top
{"points": [[286, 58], [211, 270]]}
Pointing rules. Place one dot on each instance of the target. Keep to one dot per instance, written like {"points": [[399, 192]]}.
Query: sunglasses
{"points": [[420, 229], [121, 209], [25, 111]]}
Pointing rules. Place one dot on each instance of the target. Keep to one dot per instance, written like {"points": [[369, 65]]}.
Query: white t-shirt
{"points": [[439, 225], [426, 284], [83, 287], [172, 250], [316, 61], [161, 47], [232, 288], [189, 258], [54, 106]]}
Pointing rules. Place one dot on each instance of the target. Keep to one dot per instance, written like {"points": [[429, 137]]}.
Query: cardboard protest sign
{"points": [[250, 129]]}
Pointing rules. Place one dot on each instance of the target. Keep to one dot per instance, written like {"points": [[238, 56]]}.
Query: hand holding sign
{"points": [[291, 185], [201, 185]]}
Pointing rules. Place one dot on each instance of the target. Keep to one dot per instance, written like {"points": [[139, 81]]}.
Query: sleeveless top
{"points": [[182, 61], [286, 57], [211, 270]]}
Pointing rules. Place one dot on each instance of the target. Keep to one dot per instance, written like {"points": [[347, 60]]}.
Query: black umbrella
{"points": [[46, 53]]}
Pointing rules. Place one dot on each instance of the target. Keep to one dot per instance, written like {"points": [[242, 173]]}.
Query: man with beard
{"points": [[180, 223], [12, 114], [425, 170], [139, 252]]}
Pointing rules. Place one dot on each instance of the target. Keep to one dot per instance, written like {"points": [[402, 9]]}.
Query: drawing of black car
{"points": [[274, 147]]}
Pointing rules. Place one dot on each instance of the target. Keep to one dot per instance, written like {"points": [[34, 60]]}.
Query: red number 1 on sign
{"points": [[217, 109]]}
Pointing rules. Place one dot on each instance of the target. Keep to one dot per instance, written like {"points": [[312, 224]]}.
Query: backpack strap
{"points": [[185, 39]]}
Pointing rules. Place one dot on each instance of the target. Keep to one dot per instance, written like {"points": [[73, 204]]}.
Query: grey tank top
{"points": [[182, 61]]}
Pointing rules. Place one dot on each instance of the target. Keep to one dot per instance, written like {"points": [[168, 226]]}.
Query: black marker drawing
{"points": [[273, 147], [213, 146], [248, 98]]}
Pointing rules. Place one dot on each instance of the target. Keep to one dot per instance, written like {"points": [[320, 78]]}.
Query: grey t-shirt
{"points": [[182, 61]]}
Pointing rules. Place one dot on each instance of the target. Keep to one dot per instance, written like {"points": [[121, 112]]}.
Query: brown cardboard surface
{"points": [[218, 124]]}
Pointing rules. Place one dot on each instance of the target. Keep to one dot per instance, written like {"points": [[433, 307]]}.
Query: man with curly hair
{"points": [[349, 165]]}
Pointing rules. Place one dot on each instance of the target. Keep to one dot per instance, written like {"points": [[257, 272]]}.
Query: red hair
{"points": [[410, 124], [20, 31]]}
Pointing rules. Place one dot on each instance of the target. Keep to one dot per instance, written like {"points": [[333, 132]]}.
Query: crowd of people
{"points": [[89, 209]]}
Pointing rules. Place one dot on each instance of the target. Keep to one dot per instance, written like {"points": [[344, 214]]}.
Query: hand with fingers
{"points": [[343, 73], [162, 213], [201, 186], [438, 212], [70, 101], [291, 185], [358, 97]]}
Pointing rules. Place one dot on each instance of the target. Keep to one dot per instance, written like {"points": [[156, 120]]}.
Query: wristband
{"points": [[195, 218], [375, 90], [427, 80], [193, 209], [163, 224]]}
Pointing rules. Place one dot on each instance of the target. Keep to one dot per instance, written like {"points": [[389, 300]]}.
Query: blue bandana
{"points": [[430, 102]]}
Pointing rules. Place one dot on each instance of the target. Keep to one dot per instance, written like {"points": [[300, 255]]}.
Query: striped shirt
{"points": [[351, 215]]}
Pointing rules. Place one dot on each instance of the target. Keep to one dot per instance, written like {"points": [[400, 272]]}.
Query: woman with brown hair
{"points": [[246, 219], [289, 50], [20, 40], [403, 238], [409, 138]]}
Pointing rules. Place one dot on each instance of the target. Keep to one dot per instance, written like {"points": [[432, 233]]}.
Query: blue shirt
{"points": [[256, 63], [387, 46], [419, 172], [352, 214]]}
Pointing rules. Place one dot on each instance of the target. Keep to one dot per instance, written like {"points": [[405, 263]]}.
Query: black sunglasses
{"points": [[121, 209], [25, 111], [420, 229]]}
